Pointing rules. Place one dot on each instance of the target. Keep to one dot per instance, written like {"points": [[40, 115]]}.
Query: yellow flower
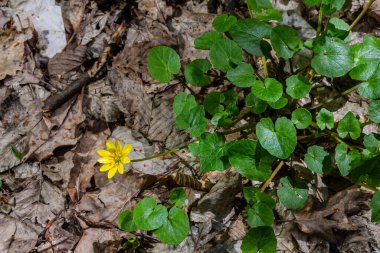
{"points": [[114, 159]]}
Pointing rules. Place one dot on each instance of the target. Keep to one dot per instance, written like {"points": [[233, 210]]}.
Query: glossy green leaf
{"points": [[349, 125], [375, 207], [163, 63], [125, 221], [254, 196], [223, 22], [260, 239], [197, 121], [212, 152], [243, 156], [177, 196], [175, 228], [249, 34], [301, 118], [195, 72], [280, 139], [285, 41], [345, 160], [332, 57], [224, 53], [206, 40], [147, 215], [213, 102], [183, 103], [260, 215], [367, 173], [242, 76], [374, 111], [338, 28], [270, 90], [330, 6], [292, 197], [297, 86], [372, 142], [318, 160], [279, 104], [263, 10], [257, 105], [325, 119], [269, 14]]}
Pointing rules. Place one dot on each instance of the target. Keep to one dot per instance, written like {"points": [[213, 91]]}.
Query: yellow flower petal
{"points": [[118, 146], [103, 152], [106, 167], [120, 168], [110, 146], [106, 159], [112, 172], [127, 149], [125, 160]]}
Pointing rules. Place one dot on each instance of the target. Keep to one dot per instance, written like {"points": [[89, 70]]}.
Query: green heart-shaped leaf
{"points": [[195, 72], [374, 111], [372, 143], [163, 63], [349, 125], [258, 105], [285, 41], [260, 239], [175, 228], [325, 118], [332, 57], [301, 118], [125, 221], [280, 139], [270, 90], [317, 159], [177, 196], [212, 151], [260, 215], [213, 102], [344, 160], [242, 76], [280, 103], [147, 215], [223, 22], [206, 40], [249, 34], [243, 156], [292, 197], [297, 86], [224, 53]]}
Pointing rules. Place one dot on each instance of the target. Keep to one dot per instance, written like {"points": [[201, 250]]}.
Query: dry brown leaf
{"points": [[67, 60], [99, 240], [58, 131], [72, 13], [84, 160], [17, 236], [12, 51]]}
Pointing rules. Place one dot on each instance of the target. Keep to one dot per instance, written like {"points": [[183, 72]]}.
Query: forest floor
{"points": [[53, 197]]}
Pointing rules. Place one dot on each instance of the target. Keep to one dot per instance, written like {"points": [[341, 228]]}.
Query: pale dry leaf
{"points": [[99, 240], [73, 12], [17, 236], [12, 51]]}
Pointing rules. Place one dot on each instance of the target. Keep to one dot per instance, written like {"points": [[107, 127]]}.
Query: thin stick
{"points": [[356, 21], [160, 154], [274, 173], [264, 61]]}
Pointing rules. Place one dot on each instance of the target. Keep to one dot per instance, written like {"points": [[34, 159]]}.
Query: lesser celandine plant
{"points": [[268, 102]]}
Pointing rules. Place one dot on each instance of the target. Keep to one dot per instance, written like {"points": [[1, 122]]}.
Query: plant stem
{"points": [[344, 93], [320, 19], [160, 154], [264, 61], [244, 127], [356, 21], [274, 173]]}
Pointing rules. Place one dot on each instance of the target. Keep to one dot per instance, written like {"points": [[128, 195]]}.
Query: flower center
{"points": [[117, 158]]}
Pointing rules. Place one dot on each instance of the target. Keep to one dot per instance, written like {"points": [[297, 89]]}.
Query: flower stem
{"points": [[160, 154], [356, 21], [274, 173], [264, 61], [320, 19], [244, 127], [344, 93]]}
